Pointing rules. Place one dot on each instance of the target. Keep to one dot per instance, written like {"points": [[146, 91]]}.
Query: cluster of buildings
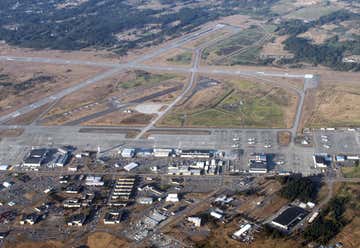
{"points": [[197, 168], [167, 152], [52, 157], [122, 191], [258, 163]]}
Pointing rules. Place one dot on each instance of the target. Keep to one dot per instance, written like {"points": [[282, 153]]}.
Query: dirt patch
{"points": [[170, 57], [336, 105], [106, 240], [121, 118], [275, 48], [48, 244], [35, 81], [8, 133], [316, 35], [284, 138], [148, 108]]}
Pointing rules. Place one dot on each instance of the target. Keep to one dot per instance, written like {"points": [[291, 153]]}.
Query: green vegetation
{"points": [[183, 58], [351, 172], [95, 23], [145, 78], [312, 12], [241, 48], [329, 223], [297, 187], [241, 104], [10, 87], [330, 53]]}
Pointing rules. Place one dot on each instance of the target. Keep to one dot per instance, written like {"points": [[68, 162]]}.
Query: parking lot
{"points": [[337, 142]]}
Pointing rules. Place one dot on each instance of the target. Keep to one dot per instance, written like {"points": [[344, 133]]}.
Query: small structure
{"points": [[94, 181], [145, 200], [321, 160], [76, 220], [172, 197], [4, 167], [131, 166], [112, 217], [128, 153], [258, 163], [195, 220], [216, 215], [162, 152], [30, 219], [244, 229], [61, 159]]}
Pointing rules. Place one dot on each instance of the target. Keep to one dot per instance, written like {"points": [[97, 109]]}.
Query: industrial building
{"points": [[76, 220], [36, 157], [258, 163], [162, 152], [290, 217], [94, 181], [112, 217], [128, 153], [131, 166], [196, 153], [322, 160]]}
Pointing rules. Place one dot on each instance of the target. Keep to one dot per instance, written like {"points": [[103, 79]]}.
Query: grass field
{"points": [[336, 105], [144, 78], [312, 12], [234, 103], [237, 49], [119, 89], [351, 172], [182, 58]]}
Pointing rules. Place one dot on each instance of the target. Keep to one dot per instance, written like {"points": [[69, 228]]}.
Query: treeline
{"points": [[298, 187], [94, 23], [294, 27], [331, 53], [329, 223]]}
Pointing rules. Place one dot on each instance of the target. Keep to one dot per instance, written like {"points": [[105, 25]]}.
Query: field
{"points": [[241, 48], [37, 81], [351, 172], [105, 240], [312, 12], [336, 105], [275, 48], [182, 58], [233, 103], [113, 101], [4, 133]]}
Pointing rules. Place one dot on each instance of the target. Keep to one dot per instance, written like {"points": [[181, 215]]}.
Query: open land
{"points": [[233, 103], [36, 80]]}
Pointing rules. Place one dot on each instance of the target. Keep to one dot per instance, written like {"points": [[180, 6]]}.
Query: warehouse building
{"points": [[290, 217], [36, 157]]}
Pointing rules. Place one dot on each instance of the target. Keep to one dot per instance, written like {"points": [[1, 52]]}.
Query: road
{"points": [[178, 99]]}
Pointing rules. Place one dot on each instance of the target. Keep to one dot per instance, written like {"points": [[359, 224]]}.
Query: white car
{"points": [[235, 146], [251, 143], [236, 139], [326, 146], [267, 146]]}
